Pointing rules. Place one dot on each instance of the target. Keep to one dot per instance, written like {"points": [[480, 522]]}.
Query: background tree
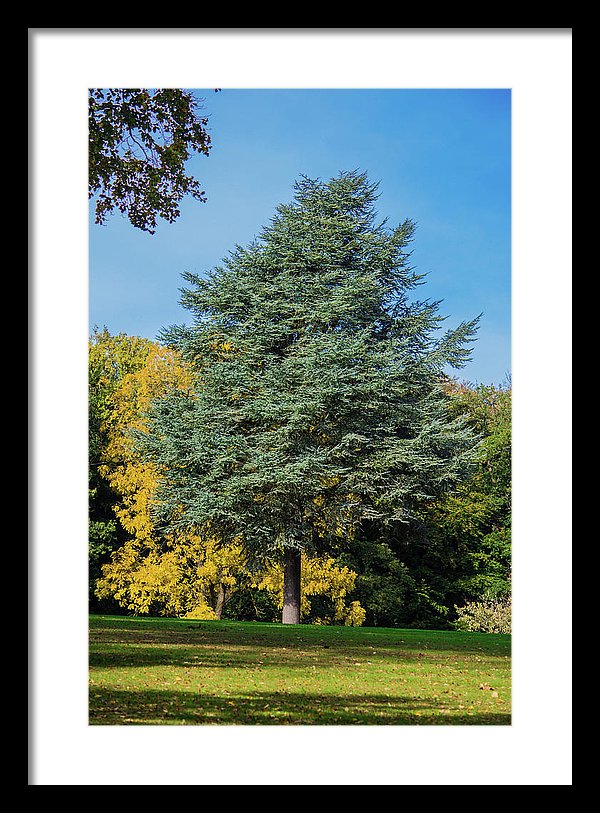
{"points": [[459, 549], [474, 522], [150, 572], [139, 142], [111, 359], [317, 383]]}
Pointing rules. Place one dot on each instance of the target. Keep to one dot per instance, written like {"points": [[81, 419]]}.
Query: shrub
{"points": [[355, 616], [491, 615]]}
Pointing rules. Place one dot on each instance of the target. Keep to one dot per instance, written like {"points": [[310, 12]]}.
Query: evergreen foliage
{"points": [[318, 396]]}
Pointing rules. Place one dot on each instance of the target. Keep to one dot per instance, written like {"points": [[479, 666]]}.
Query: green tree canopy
{"points": [[318, 396], [473, 524], [139, 141], [415, 574]]}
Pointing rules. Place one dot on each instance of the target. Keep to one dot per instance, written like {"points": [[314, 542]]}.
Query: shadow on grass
{"points": [[212, 656], [206, 657], [247, 634], [239, 647], [159, 707]]}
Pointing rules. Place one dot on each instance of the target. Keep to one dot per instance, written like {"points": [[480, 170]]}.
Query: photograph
{"points": [[300, 490]]}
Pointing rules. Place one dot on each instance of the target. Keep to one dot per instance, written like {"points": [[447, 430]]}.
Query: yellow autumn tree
{"points": [[110, 359], [175, 574], [320, 576]]}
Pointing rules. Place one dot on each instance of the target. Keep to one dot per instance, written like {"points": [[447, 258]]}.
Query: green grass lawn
{"points": [[155, 671]]}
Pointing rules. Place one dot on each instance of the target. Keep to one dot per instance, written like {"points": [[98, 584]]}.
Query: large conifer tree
{"points": [[318, 398]]}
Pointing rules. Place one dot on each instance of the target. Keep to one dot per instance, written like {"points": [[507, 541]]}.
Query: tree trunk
{"points": [[291, 586], [220, 602]]}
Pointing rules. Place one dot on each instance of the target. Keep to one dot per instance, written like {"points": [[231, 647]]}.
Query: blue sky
{"points": [[441, 157]]}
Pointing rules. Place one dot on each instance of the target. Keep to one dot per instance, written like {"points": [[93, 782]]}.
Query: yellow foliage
{"points": [[222, 349], [133, 479], [319, 576], [171, 575], [355, 617], [202, 612]]}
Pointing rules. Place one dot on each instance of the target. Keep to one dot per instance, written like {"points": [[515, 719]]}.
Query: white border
{"points": [[536, 65]]}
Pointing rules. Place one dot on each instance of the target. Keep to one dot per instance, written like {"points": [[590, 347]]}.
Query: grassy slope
{"points": [[174, 671]]}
